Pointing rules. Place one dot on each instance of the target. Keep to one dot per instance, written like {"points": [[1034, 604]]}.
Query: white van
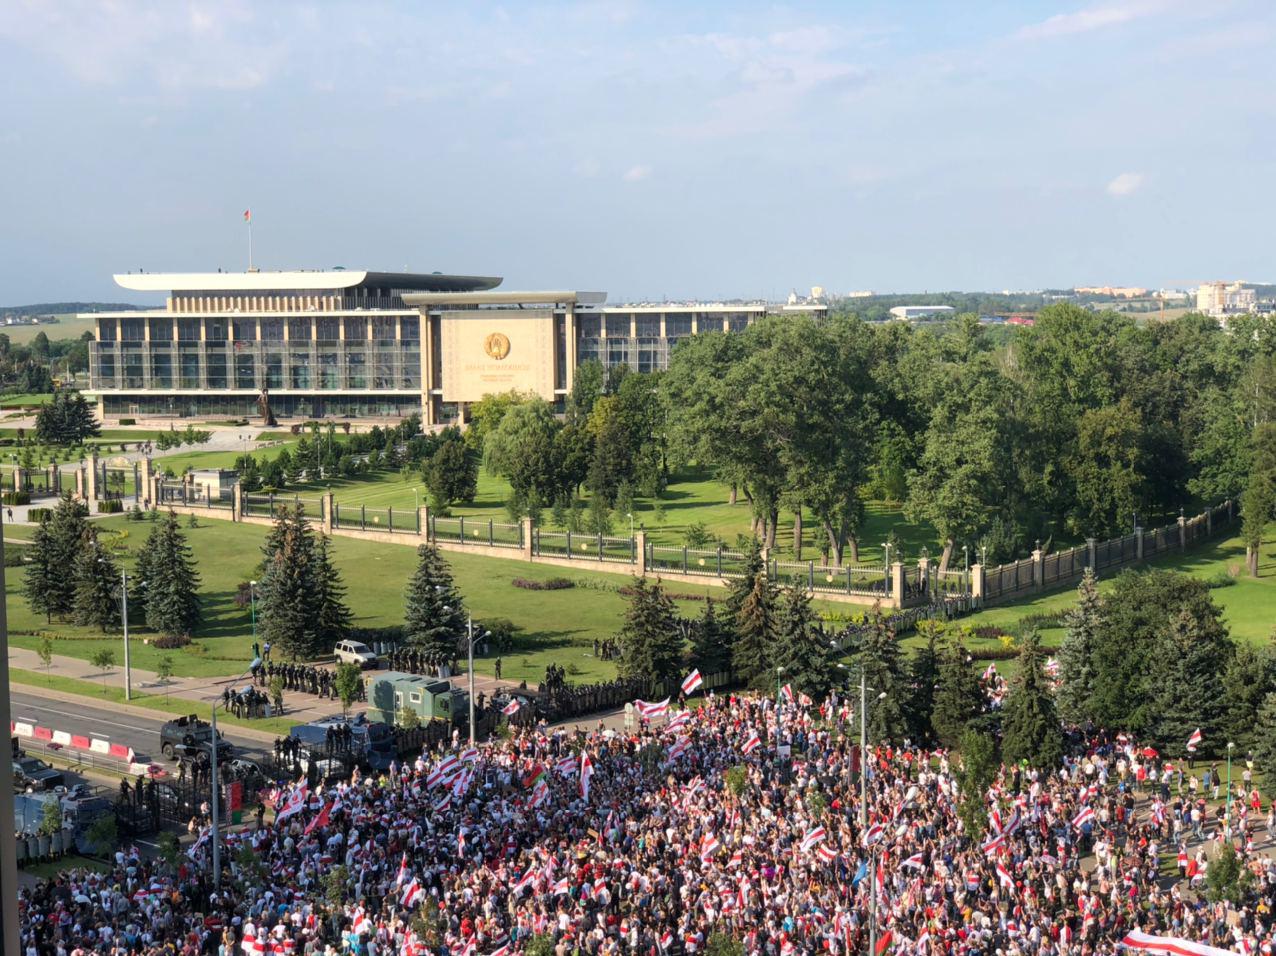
{"points": [[356, 652]]}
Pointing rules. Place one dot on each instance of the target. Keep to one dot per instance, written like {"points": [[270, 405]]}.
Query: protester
{"points": [[651, 842]]}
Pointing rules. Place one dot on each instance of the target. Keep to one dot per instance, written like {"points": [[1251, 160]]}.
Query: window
{"points": [[415, 697], [618, 326], [272, 330], [648, 326], [299, 330], [677, 324], [161, 330]]}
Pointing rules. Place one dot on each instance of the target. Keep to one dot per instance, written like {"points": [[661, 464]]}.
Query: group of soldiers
{"points": [[562, 701], [608, 649], [304, 678], [250, 703], [416, 660]]}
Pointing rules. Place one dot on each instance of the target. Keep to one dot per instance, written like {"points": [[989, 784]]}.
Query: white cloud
{"points": [[1125, 184], [636, 174], [1091, 18]]}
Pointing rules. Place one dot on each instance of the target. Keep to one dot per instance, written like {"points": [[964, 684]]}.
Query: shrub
{"points": [[1220, 580], [628, 591], [1041, 621], [36, 515], [13, 557], [994, 653], [550, 584], [15, 498], [112, 506], [169, 642], [128, 421]]}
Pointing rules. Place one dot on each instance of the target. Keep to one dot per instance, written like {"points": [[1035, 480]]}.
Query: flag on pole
{"points": [[403, 871], [650, 711], [1194, 741], [586, 773], [813, 836], [873, 834], [1084, 815], [692, 681], [826, 853], [787, 693], [248, 216], [412, 894], [566, 766], [293, 804], [750, 745], [321, 818], [886, 941], [914, 861], [708, 847], [510, 709], [1004, 877]]}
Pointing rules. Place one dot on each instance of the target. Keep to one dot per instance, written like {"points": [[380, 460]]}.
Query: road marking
{"points": [[95, 720]]}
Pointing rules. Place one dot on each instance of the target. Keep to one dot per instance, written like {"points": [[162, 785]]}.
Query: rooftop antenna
{"points": [[248, 220]]}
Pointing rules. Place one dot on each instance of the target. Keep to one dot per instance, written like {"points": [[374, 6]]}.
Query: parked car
{"points": [[188, 736], [356, 652], [31, 773]]}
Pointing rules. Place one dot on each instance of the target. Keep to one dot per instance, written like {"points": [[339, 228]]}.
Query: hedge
{"points": [[15, 498], [128, 421], [551, 584], [111, 506], [36, 515]]}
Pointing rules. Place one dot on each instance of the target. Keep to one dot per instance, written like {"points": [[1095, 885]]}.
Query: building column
{"points": [[569, 330], [427, 367]]}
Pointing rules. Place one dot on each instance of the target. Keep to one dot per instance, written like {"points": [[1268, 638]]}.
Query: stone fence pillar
{"points": [[423, 522], [91, 489], [923, 574], [237, 502], [19, 477], [144, 489], [1092, 554], [528, 530], [1138, 544], [640, 546], [897, 584], [1038, 570], [978, 584], [1182, 533], [325, 509]]}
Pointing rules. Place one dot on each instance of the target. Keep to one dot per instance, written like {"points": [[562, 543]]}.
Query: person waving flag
{"points": [[1194, 741], [586, 774], [692, 681]]}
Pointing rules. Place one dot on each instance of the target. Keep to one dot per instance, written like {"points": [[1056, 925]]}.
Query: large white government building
{"points": [[345, 344]]}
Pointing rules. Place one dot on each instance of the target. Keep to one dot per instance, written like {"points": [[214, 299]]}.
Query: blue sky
{"points": [[647, 149]]}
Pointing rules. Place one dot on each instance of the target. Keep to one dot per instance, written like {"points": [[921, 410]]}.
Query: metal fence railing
{"points": [[584, 547]]}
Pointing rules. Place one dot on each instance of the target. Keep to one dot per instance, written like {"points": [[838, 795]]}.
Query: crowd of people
{"points": [[303, 678], [740, 819]]}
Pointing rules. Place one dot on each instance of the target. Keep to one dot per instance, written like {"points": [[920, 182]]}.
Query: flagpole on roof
{"points": [[248, 218]]}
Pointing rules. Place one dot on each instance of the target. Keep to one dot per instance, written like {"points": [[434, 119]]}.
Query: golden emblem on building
{"points": [[497, 346]]}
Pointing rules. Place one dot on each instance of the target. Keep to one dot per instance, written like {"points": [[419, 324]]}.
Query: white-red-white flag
{"points": [[510, 709], [750, 745], [650, 711], [691, 682], [586, 773], [1194, 741]]}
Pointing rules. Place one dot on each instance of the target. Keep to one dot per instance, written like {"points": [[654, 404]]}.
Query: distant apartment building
{"points": [[861, 294], [1112, 291], [1221, 299]]}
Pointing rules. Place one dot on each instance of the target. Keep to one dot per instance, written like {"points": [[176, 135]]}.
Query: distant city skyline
{"points": [[649, 150]]}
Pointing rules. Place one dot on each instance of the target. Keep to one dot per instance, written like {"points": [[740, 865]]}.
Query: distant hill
{"points": [[62, 308]]}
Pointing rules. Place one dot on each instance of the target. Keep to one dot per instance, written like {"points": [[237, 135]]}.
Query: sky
{"points": [[647, 149]]}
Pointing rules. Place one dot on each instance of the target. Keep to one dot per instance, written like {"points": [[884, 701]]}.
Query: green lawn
{"points": [[693, 497], [1249, 605], [557, 626], [19, 401], [191, 457]]}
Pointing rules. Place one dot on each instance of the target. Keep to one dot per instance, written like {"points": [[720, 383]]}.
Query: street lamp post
{"points": [[128, 669], [1230, 747], [630, 516], [252, 606]]}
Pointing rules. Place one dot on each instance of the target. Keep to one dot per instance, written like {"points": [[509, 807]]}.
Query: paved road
{"points": [[136, 731]]}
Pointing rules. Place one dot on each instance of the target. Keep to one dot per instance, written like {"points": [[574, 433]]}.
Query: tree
{"points": [[169, 582], [1265, 736], [45, 650], [451, 471], [1258, 503], [487, 414], [1030, 725], [66, 420], [1186, 691], [924, 680], [800, 647], [435, 618], [1247, 680], [651, 645], [96, 582], [522, 449], [710, 641], [163, 671], [348, 681], [54, 549], [288, 595], [1076, 652], [334, 614], [959, 698], [976, 772], [1146, 616], [755, 635], [103, 660], [1226, 879], [881, 663]]}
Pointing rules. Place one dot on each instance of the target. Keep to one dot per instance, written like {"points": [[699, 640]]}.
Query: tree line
{"points": [[1080, 425]]}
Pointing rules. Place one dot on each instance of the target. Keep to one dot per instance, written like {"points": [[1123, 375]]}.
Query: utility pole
{"points": [[469, 627], [9, 936], [217, 837]]}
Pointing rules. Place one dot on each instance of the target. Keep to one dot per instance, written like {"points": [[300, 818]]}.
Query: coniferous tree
{"points": [[924, 678], [435, 614], [755, 636], [958, 697], [651, 646], [800, 647], [49, 582], [1030, 724], [96, 581], [1249, 677], [739, 589], [169, 581], [880, 660], [1076, 666], [1188, 666], [710, 645], [41, 576], [288, 596], [334, 614], [1264, 744]]}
